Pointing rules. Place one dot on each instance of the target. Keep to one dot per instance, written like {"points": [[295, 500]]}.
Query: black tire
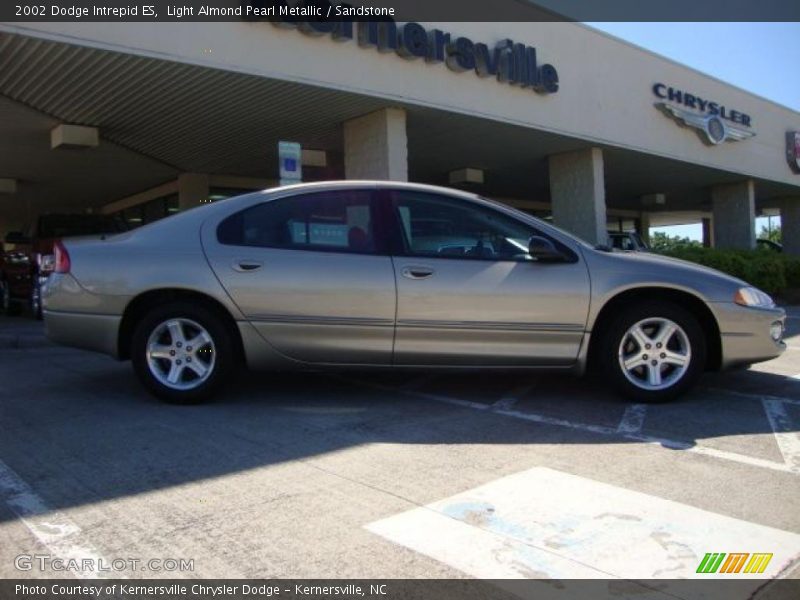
{"points": [[5, 299], [7, 304], [223, 354], [613, 371], [36, 300]]}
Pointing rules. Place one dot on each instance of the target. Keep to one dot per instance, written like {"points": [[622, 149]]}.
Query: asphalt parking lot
{"points": [[393, 476]]}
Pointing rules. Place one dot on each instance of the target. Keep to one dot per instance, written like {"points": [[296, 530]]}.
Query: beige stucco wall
{"points": [[605, 84], [577, 187], [376, 146]]}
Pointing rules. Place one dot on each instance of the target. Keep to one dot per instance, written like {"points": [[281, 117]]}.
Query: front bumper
{"points": [[745, 333]]}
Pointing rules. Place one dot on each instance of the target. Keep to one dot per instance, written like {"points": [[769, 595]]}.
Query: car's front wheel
{"points": [[653, 352], [182, 352]]}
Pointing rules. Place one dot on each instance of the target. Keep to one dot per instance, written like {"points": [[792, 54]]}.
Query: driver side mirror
{"points": [[543, 250]]}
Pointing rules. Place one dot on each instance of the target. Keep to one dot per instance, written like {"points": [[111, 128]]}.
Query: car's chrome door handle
{"points": [[246, 266], [417, 272]]}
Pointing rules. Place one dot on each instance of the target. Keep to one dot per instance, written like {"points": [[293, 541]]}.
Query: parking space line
{"points": [[598, 429], [633, 419], [60, 534], [749, 396], [545, 420], [786, 437], [649, 439], [434, 397], [512, 397]]}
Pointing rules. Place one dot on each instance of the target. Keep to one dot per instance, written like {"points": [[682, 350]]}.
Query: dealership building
{"points": [[557, 119]]}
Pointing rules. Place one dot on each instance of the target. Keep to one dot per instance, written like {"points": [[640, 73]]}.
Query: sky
{"points": [[762, 58]]}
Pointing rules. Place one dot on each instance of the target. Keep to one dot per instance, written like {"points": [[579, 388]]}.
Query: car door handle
{"points": [[246, 266], [417, 272]]}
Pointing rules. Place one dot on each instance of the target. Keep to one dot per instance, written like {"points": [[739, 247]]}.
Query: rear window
{"points": [[333, 221]]}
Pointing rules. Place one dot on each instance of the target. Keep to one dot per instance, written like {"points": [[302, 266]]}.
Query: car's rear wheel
{"points": [[653, 352], [36, 300], [5, 298], [182, 353], [7, 306]]}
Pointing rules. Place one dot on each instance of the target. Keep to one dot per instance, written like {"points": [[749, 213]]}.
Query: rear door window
{"points": [[339, 221]]}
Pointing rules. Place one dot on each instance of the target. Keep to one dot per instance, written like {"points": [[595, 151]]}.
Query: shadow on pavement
{"points": [[85, 427]]}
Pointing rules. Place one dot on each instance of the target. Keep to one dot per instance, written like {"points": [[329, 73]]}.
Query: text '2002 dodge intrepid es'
{"points": [[380, 274]]}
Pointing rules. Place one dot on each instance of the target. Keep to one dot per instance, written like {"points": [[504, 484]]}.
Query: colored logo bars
{"points": [[736, 562]]}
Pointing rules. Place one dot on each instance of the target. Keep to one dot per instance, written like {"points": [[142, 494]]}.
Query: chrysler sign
{"points": [[716, 122]]}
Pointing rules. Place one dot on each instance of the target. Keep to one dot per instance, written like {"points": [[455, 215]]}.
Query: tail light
{"points": [[62, 258]]}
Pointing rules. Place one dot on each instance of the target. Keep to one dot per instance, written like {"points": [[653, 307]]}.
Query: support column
{"points": [[734, 207], [193, 190], [790, 226], [708, 233], [644, 227], [577, 193], [376, 146]]}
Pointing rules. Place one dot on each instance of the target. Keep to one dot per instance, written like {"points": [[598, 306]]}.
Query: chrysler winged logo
{"points": [[715, 129], [793, 150]]}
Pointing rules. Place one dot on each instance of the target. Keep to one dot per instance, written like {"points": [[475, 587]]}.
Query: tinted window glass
{"points": [[340, 220], [438, 226]]}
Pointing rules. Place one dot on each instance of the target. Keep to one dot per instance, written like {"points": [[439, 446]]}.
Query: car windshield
{"points": [[536, 220], [61, 226]]}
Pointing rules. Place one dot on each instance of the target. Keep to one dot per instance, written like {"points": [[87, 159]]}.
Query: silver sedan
{"points": [[401, 276]]}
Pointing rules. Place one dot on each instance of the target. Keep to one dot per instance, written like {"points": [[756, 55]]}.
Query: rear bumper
{"points": [[745, 333], [99, 333], [75, 317]]}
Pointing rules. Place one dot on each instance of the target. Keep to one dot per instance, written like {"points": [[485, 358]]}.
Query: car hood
{"points": [[658, 266]]}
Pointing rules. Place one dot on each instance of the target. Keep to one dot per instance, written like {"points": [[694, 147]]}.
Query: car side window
{"points": [[441, 227], [334, 221]]}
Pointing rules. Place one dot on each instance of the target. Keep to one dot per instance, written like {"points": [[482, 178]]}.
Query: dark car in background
{"points": [[627, 241], [26, 259], [765, 244]]}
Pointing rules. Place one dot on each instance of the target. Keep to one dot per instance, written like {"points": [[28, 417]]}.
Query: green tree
{"points": [[661, 242], [772, 234]]}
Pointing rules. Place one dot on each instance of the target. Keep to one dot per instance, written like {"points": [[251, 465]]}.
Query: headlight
{"points": [[750, 296]]}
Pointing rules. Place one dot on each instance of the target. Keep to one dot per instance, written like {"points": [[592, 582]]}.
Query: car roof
{"points": [[367, 184]]}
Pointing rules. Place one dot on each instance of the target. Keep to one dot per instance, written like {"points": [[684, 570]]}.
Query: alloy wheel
{"points": [[181, 354], [654, 354]]}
